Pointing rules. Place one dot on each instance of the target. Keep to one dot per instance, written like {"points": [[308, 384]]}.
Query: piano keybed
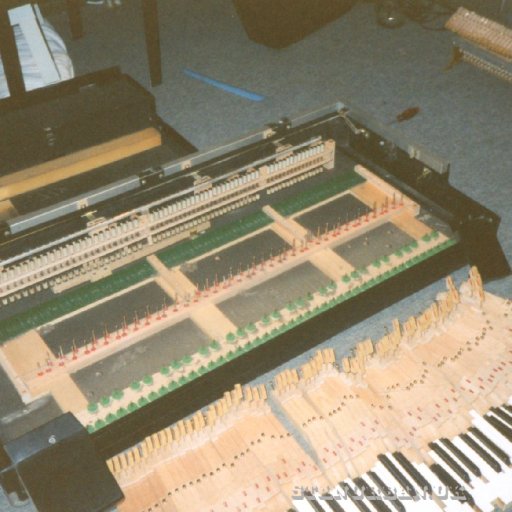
{"points": [[419, 421]]}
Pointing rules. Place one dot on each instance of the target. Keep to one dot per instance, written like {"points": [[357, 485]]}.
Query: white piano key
{"points": [[442, 463], [343, 499], [388, 495], [499, 424], [322, 503], [359, 493], [486, 470], [488, 430], [395, 487], [481, 494], [506, 412], [302, 505], [376, 502], [338, 500], [425, 502], [500, 483], [318, 502], [306, 503], [477, 487], [325, 503], [501, 420], [450, 504]]}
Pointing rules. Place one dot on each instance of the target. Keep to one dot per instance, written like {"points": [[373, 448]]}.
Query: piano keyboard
{"points": [[472, 471], [482, 31], [482, 43]]}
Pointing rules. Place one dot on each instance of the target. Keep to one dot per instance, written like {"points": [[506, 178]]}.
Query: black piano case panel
{"points": [[279, 23]]}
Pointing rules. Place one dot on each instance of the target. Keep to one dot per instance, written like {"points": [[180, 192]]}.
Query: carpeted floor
{"points": [[465, 114]]}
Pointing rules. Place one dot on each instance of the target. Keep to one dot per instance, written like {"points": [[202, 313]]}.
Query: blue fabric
{"points": [[223, 86]]}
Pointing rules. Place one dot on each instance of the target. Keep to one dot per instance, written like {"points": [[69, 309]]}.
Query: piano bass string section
{"points": [[420, 420]]}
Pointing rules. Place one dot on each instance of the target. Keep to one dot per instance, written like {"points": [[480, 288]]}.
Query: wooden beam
{"points": [[77, 163]]}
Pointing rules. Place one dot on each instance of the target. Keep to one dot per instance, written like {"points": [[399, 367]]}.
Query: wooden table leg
{"points": [[152, 34], [75, 18], [10, 57]]}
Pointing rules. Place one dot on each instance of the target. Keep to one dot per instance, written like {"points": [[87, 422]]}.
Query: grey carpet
{"points": [[465, 114]]}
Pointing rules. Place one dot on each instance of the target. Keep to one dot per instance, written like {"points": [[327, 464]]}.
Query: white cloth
{"points": [[31, 73]]}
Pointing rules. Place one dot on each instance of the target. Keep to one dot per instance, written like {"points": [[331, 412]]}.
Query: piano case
{"points": [[393, 160], [407, 167]]}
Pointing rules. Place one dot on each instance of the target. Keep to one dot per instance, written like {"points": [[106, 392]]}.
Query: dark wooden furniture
{"points": [[8, 50], [151, 32], [9, 53]]}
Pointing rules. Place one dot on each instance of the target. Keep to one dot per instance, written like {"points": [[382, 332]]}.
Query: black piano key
{"points": [[508, 408], [454, 466], [503, 429], [502, 415], [484, 454], [423, 484], [354, 498], [398, 475], [453, 486], [332, 503], [491, 445], [386, 491], [462, 457], [313, 502], [374, 500]]}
